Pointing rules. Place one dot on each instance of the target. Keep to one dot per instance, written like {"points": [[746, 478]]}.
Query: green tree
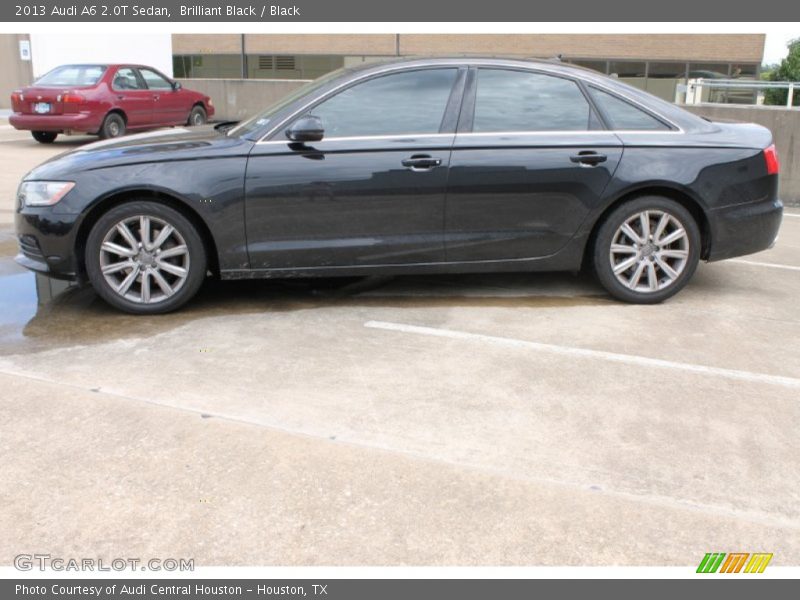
{"points": [[788, 70]]}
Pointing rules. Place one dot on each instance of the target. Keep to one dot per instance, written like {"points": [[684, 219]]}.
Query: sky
{"points": [[775, 48]]}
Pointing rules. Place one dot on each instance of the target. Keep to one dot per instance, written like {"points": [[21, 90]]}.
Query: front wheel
{"points": [[198, 116], [145, 258], [646, 250], [44, 137]]}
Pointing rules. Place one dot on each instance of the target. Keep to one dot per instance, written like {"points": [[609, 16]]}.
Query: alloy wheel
{"points": [[649, 251], [144, 259]]}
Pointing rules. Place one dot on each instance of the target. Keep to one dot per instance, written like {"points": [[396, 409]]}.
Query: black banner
{"points": [[405, 11]]}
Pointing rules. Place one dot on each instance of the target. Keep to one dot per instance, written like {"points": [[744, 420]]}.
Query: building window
{"points": [[666, 70], [600, 66], [625, 69], [661, 78], [207, 66], [709, 70], [744, 71], [284, 66]]}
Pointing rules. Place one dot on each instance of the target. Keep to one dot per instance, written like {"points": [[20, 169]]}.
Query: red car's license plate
{"points": [[41, 108]]}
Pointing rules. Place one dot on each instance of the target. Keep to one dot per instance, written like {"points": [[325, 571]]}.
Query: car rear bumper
{"points": [[77, 122], [744, 228]]}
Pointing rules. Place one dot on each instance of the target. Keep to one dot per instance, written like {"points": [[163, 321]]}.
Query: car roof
{"points": [[471, 59], [106, 65]]}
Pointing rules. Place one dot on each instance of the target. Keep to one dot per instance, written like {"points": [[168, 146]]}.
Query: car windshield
{"points": [[262, 119], [72, 75]]}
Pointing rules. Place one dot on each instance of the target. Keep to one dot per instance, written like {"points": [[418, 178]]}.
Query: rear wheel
{"points": [[646, 250], [145, 258], [44, 137], [198, 116], [113, 126]]}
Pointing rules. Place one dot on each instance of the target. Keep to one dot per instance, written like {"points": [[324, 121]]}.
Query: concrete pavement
{"points": [[513, 419]]}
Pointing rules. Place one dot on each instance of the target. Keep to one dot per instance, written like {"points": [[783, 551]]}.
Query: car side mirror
{"points": [[176, 85], [306, 129]]}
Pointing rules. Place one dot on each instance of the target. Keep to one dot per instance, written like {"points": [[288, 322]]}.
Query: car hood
{"points": [[156, 146]]}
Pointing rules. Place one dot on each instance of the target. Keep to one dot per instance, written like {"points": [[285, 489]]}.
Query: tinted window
{"points": [[155, 81], [519, 101], [624, 115], [262, 119], [402, 103], [126, 79], [72, 75]]}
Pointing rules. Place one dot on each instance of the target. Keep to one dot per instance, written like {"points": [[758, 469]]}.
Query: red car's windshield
{"points": [[72, 75]]}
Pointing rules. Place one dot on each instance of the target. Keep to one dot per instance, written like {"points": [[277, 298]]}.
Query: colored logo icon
{"points": [[735, 562]]}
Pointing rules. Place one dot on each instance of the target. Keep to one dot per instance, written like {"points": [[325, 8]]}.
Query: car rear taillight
{"points": [[72, 98], [771, 156]]}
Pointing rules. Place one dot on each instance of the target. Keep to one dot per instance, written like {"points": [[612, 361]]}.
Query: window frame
{"points": [[467, 118], [464, 94], [669, 127], [447, 125], [104, 68], [169, 81], [136, 74]]}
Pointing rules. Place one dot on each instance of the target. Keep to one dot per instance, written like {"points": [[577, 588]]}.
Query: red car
{"points": [[105, 100]]}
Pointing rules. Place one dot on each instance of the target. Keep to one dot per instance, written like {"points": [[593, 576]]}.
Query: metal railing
{"points": [[694, 89]]}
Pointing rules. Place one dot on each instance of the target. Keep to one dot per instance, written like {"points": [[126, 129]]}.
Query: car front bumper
{"points": [[47, 242], [744, 228], [77, 122]]}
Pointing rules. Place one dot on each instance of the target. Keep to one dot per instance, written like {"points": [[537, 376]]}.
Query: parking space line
{"points": [[630, 359], [654, 499], [756, 263]]}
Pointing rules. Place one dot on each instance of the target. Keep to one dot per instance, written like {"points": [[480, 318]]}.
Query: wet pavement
{"points": [[481, 419]]}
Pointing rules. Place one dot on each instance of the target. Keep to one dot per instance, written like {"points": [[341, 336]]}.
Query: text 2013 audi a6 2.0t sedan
{"points": [[416, 166]]}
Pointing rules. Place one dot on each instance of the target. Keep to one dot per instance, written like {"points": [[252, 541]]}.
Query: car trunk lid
{"points": [[40, 100], [749, 135]]}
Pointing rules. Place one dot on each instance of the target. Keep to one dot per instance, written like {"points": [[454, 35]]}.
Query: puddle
{"points": [[18, 305], [37, 313]]}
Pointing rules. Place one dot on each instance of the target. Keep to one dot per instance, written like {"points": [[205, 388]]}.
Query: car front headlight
{"points": [[43, 193]]}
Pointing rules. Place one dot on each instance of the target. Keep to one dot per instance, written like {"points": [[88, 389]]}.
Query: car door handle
{"points": [[419, 162], [588, 158]]}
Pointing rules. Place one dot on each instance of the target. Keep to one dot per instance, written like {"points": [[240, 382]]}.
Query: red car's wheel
{"points": [[113, 126], [44, 137], [198, 116]]}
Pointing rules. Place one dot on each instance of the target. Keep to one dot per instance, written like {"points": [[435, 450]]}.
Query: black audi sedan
{"points": [[417, 166]]}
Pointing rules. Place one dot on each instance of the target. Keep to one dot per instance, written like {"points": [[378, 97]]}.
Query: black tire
{"points": [[193, 259], [113, 126], [197, 117], [646, 252], [44, 137]]}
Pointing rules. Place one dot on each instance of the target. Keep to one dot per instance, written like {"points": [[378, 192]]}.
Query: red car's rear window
{"points": [[72, 75]]}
